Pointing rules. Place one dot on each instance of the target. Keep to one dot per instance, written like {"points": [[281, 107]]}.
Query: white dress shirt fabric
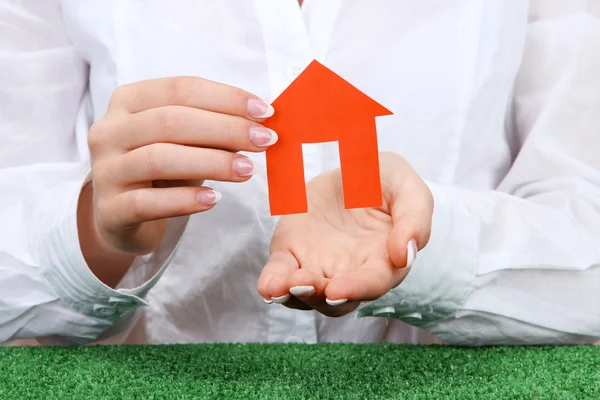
{"points": [[496, 104]]}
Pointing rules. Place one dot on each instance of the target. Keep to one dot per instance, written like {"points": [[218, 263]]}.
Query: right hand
{"points": [[158, 142]]}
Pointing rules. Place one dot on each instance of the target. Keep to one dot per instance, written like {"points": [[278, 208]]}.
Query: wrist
{"points": [[443, 274], [105, 261]]}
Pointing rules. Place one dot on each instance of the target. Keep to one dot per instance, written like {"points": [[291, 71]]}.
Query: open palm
{"points": [[330, 259]]}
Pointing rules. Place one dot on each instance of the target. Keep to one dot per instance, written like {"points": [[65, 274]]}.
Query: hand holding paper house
{"points": [[320, 106]]}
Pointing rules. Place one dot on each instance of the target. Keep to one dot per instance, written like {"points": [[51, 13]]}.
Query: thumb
{"points": [[404, 242], [412, 211]]}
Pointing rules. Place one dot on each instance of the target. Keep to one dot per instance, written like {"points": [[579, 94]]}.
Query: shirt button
{"points": [[295, 71], [104, 310], [414, 315], [389, 310], [294, 339]]}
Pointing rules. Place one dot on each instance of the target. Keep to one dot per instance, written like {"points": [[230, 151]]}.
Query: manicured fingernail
{"points": [[267, 301], [336, 302], [302, 291], [208, 197], [281, 299], [244, 166], [411, 253], [262, 137], [259, 109]]}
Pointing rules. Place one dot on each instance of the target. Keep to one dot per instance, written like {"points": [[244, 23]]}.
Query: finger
{"points": [[296, 304], [336, 311], [191, 92], [166, 161], [149, 204], [194, 127], [272, 281], [402, 241], [374, 279], [411, 215], [176, 183], [308, 287]]}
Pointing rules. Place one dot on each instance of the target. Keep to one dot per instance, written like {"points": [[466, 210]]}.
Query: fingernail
{"points": [[259, 109], [302, 291], [208, 197], [244, 166], [262, 137], [336, 302], [267, 301], [411, 253], [281, 299]]}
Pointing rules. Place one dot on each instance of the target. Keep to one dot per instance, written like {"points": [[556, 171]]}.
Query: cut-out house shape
{"points": [[320, 106]]}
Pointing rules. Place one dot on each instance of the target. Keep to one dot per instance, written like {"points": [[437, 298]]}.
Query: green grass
{"points": [[340, 371]]}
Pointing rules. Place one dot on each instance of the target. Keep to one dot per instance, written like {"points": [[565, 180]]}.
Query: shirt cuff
{"points": [[67, 273], [444, 272]]}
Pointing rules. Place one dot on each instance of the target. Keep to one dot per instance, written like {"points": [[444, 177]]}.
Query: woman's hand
{"points": [[150, 154], [331, 258]]}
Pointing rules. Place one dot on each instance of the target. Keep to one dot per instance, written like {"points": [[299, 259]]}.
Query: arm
{"points": [[148, 159], [521, 264], [46, 288]]}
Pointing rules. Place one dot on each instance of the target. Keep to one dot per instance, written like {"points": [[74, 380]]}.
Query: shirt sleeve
{"points": [[521, 264], [46, 289]]}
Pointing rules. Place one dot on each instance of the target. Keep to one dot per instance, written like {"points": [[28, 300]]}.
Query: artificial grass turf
{"points": [[333, 371]]}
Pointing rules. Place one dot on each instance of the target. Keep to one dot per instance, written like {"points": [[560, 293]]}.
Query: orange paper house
{"points": [[320, 106]]}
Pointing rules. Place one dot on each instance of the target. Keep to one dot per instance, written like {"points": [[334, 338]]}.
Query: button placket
{"points": [[288, 52], [295, 71], [286, 41], [289, 49], [322, 16]]}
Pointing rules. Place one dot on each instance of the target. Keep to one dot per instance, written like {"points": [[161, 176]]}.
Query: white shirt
{"points": [[496, 104]]}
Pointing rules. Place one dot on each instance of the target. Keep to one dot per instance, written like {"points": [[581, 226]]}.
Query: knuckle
{"points": [[93, 141], [106, 171], [152, 160], [181, 204], [241, 127], [167, 120], [236, 132], [303, 275], [99, 173], [102, 132], [232, 131], [97, 135], [136, 207], [239, 98], [179, 89], [181, 209], [103, 209], [236, 93], [119, 95]]}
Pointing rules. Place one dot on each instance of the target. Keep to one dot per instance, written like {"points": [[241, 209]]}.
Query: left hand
{"points": [[330, 259]]}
